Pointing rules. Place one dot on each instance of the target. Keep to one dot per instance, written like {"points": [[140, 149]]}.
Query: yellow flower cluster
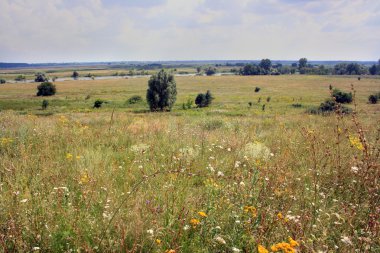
{"points": [[202, 214], [355, 142], [70, 156], [250, 210], [262, 249], [285, 247], [5, 141], [84, 178], [194, 222]]}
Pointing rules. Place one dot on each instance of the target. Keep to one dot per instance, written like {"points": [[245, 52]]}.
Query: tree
{"points": [[2, 81], [46, 89], [199, 69], [266, 64], [210, 71], [373, 69], [302, 63], [373, 99], [162, 91], [75, 75], [40, 78]]}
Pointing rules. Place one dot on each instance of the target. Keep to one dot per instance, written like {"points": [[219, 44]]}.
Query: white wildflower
{"points": [[23, 200], [346, 240], [236, 250], [220, 240], [220, 174]]}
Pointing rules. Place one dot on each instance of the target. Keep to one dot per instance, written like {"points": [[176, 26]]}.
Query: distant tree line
{"points": [[265, 67]]}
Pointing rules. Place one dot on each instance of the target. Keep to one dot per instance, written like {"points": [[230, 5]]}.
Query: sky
{"points": [[36, 31]]}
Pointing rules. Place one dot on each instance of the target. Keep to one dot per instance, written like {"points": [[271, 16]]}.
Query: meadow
{"points": [[232, 177]]}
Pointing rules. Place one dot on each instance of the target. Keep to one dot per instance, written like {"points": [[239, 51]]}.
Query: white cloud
{"points": [[97, 30]]}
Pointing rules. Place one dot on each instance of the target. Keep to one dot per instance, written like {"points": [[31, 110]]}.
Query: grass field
{"points": [[228, 178]]}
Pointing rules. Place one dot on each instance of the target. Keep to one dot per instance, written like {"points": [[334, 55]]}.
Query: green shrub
{"points": [[210, 71], [2, 81], [329, 106], [257, 89], [45, 104], [342, 97], [134, 100], [297, 105], [46, 89], [204, 100], [374, 98], [98, 103]]}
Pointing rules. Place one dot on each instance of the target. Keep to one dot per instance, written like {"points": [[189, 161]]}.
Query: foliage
{"points": [[46, 89], [2, 81], [257, 89], [204, 100], [20, 78], [98, 103], [75, 75], [45, 104], [162, 91], [134, 99], [40, 78], [210, 71], [266, 64], [342, 97], [302, 63], [372, 99]]}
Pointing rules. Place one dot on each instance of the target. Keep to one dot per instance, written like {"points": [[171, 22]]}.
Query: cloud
{"points": [[97, 30]]}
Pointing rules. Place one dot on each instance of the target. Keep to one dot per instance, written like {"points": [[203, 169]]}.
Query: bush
{"points": [[373, 99], [40, 78], [204, 100], [2, 81], [98, 103], [210, 71], [162, 91], [20, 78], [134, 100], [75, 75], [46, 89], [257, 89], [45, 104], [342, 97], [297, 105], [329, 106]]}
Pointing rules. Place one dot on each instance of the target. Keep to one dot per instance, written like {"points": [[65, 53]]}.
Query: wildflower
{"points": [[194, 222], [242, 184], [262, 249], [78, 157], [346, 240], [280, 216], [150, 231], [236, 250], [355, 169], [5, 141], [220, 240], [36, 248], [170, 251], [158, 241], [220, 174], [293, 243], [186, 227], [202, 214], [84, 178], [356, 142], [24, 201], [250, 209], [69, 156]]}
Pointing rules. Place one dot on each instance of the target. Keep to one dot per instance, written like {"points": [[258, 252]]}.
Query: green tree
{"points": [[40, 78], [162, 91], [204, 100], [46, 89], [75, 75], [266, 64], [210, 71], [302, 63], [2, 81]]}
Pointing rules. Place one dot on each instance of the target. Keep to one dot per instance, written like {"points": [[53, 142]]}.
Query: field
{"points": [[232, 177]]}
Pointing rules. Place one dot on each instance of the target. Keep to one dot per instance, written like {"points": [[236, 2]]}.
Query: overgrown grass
{"points": [[223, 179]]}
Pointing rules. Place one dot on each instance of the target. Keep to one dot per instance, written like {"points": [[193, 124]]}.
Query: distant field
{"points": [[228, 178]]}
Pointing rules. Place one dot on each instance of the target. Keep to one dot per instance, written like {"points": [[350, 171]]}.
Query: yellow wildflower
{"points": [[84, 179], [356, 142], [158, 241], [293, 243], [262, 249], [194, 222], [78, 157], [170, 251], [280, 216], [5, 141], [202, 214], [69, 156], [250, 209]]}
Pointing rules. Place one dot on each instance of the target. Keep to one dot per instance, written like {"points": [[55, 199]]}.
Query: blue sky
{"points": [[115, 30]]}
